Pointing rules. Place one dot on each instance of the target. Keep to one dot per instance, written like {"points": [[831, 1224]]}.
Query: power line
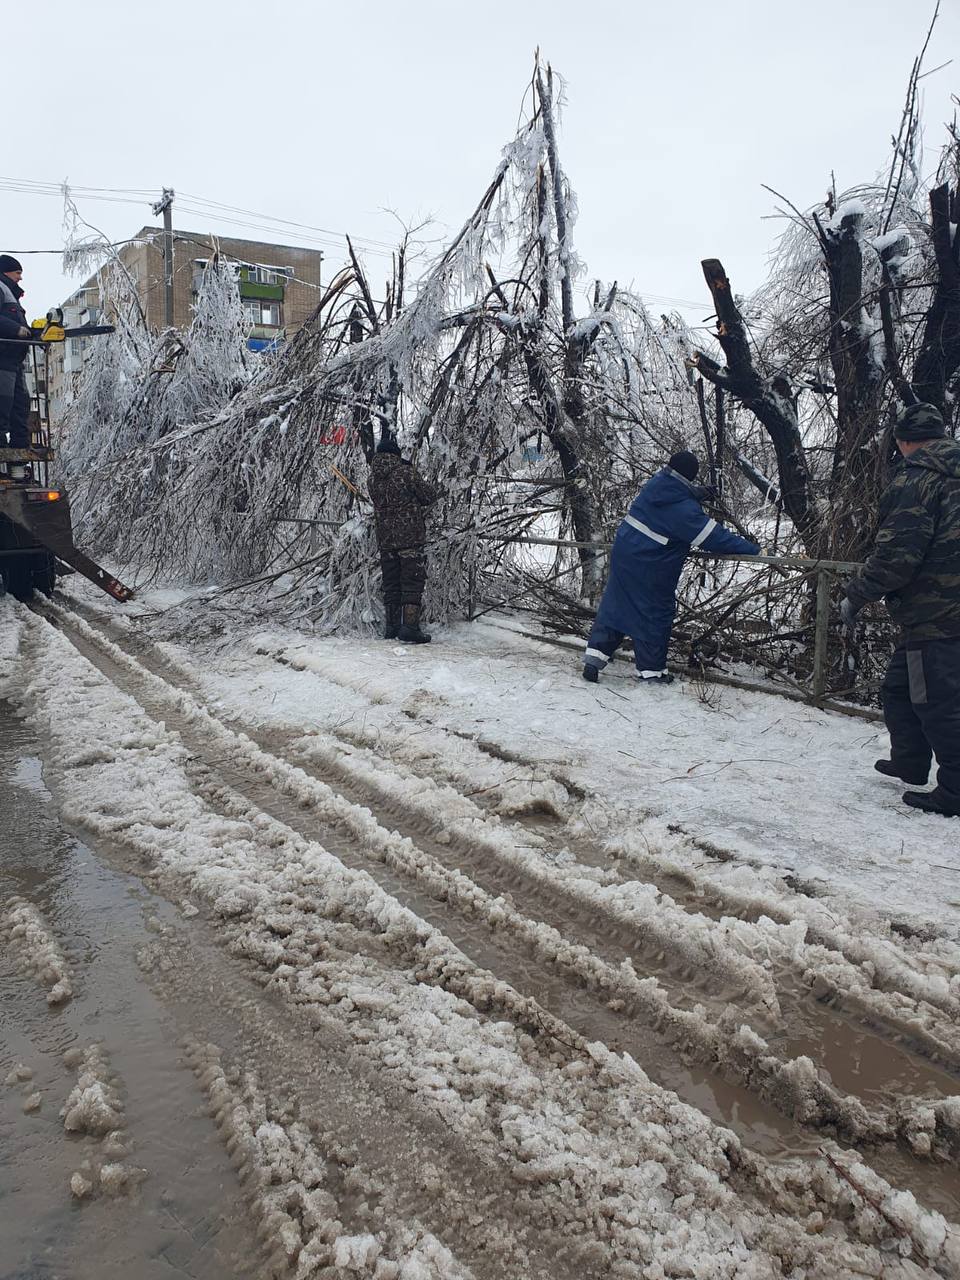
{"points": [[314, 234], [326, 242], [140, 195], [109, 244], [265, 217]]}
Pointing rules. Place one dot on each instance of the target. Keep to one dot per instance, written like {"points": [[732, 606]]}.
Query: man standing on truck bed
{"points": [[14, 398]]}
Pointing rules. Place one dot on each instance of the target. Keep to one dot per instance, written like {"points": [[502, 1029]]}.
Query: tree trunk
{"points": [[939, 357], [771, 402]]}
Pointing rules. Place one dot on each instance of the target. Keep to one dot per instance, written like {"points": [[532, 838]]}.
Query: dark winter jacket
{"points": [[399, 495], [665, 523], [13, 318], [915, 563]]}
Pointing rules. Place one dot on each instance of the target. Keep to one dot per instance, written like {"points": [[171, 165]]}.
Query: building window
{"points": [[258, 274], [263, 311]]}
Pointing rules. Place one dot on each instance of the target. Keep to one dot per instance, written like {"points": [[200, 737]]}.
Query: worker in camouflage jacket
{"points": [[400, 499], [915, 568]]}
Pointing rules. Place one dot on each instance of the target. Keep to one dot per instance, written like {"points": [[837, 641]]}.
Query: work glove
{"points": [[706, 493], [848, 613]]}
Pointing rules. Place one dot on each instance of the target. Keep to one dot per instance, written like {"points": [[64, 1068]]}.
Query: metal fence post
{"points": [[472, 586], [821, 635]]}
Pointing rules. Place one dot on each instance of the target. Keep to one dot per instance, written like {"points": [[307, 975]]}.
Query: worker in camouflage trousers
{"points": [[400, 498], [664, 524], [915, 568]]}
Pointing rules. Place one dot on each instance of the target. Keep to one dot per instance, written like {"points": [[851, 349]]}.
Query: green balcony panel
{"points": [[248, 290]]}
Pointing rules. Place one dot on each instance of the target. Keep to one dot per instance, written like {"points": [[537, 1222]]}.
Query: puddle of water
{"points": [[188, 1218], [862, 1063]]}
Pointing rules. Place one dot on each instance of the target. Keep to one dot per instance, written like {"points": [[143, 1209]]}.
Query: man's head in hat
{"points": [[917, 425], [10, 268]]}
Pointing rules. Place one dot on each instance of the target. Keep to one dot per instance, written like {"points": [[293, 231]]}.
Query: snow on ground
{"points": [[775, 784], [592, 1147], [332, 939]]}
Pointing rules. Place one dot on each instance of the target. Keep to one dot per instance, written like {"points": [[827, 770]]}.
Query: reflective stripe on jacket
{"points": [[665, 522]]}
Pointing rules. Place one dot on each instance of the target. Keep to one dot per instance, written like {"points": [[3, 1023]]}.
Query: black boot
{"points": [[410, 632], [932, 802], [916, 777], [591, 673], [391, 626]]}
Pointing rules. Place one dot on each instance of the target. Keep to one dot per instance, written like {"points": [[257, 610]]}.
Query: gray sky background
{"points": [[330, 114]]}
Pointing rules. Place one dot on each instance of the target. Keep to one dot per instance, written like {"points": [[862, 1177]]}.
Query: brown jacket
{"points": [[400, 495]]}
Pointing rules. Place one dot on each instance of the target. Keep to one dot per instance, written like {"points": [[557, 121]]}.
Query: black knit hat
{"points": [[919, 422], [8, 264], [686, 464], [388, 444]]}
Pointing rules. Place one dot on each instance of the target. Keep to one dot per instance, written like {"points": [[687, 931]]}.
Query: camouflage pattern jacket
{"points": [[399, 495], [915, 564]]}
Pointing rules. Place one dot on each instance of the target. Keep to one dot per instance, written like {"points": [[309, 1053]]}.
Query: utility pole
{"points": [[165, 206]]}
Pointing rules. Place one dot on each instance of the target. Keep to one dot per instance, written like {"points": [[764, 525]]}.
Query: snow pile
{"points": [[36, 949], [293, 1188], [94, 1109], [93, 1106]]}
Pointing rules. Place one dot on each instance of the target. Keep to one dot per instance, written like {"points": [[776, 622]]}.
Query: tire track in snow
{"points": [[871, 979], [793, 1086], [837, 962], [414, 1168], [834, 961], [165, 826], [928, 974], [489, 928]]}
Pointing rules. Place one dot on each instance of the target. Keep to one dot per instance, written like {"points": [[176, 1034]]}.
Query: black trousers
{"points": [[14, 408], [921, 707], [404, 576]]}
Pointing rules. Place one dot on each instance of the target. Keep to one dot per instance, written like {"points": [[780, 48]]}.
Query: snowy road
{"points": [[466, 999]]}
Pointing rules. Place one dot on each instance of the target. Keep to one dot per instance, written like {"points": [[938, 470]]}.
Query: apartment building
{"points": [[278, 283]]}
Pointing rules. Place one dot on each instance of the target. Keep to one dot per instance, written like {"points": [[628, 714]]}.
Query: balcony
{"points": [[250, 290]]}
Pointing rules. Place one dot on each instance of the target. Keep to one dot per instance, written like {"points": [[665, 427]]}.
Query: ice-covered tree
{"points": [[860, 314]]}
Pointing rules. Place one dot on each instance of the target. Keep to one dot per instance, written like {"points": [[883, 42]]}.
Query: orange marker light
{"points": [[53, 495]]}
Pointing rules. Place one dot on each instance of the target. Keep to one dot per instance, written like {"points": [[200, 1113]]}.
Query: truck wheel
{"points": [[22, 580]]}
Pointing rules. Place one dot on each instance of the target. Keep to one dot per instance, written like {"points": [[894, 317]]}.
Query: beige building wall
{"points": [[301, 293], [144, 260]]}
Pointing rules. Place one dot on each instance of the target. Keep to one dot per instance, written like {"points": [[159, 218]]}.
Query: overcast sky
{"points": [[331, 114]]}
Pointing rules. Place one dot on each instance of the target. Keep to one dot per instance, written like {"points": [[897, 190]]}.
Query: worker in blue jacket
{"points": [[665, 523]]}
